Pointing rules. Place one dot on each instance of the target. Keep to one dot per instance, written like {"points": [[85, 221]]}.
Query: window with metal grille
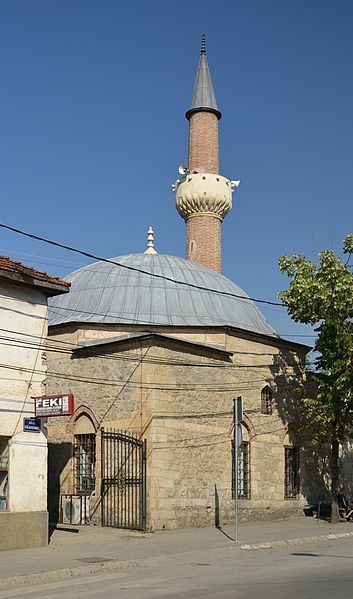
{"points": [[266, 400], [291, 472], [4, 468], [85, 463], [243, 471]]}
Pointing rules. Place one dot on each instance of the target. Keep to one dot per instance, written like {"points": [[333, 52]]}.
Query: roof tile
{"points": [[14, 266]]}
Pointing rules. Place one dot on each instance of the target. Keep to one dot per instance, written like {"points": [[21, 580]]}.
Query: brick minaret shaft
{"points": [[203, 143], [204, 231], [203, 197]]}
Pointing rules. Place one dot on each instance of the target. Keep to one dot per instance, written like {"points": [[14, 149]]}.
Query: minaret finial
{"points": [[203, 44], [150, 242]]}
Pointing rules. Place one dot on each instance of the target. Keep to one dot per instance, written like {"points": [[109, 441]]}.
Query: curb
{"points": [[297, 541], [12, 582]]}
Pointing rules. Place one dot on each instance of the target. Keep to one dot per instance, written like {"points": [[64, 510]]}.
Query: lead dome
{"points": [[107, 293]]}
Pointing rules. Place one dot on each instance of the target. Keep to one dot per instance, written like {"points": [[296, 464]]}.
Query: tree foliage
{"points": [[321, 293]]}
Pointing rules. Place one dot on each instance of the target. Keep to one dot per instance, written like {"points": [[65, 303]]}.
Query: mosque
{"points": [[154, 349]]}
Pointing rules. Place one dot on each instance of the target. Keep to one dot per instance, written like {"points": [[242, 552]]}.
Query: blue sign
{"points": [[31, 425]]}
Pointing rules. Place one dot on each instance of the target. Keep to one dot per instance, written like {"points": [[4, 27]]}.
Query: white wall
{"points": [[23, 330]]}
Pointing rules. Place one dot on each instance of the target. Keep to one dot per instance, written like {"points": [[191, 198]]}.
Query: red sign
{"points": [[53, 405]]}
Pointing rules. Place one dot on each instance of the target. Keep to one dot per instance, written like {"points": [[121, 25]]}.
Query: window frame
{"points": [[84, 463], [291, 472], [4, 472], [266, 400], [244, 471]]}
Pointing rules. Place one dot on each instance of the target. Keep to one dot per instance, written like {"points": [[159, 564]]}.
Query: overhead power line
{"points": [[122, 319], [22, 344], [157, 385], [133, 268], [127, 320]]}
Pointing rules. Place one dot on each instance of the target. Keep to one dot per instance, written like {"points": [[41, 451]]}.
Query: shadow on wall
{"points": [[314, 459], [59, 454], [347, 470], [216, 508]]}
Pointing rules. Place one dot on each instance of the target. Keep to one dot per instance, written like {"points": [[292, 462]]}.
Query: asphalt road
{"points": [[323, 571]]}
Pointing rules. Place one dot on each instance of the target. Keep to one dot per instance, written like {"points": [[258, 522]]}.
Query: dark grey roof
{"points": [[203, 97], [105, 293], [94, 343]]}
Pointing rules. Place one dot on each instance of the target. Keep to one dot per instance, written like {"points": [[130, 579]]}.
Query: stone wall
{"points": [[180, 400]]}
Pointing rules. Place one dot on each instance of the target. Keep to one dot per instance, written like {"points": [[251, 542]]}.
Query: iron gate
{"points": [[123, 488]]}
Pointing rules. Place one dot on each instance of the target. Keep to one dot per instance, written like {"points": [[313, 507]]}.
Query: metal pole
{"points": [[236, 482], [235, 447]]}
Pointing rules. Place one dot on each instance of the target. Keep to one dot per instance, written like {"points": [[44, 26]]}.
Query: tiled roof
{"points": [[16, 267]]}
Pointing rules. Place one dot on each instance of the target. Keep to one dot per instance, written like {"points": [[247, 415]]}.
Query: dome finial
{"points": [[203, 44], [150, 242]]}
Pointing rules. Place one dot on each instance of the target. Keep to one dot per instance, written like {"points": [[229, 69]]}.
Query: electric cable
{"points": [[13, 342], [136, 384], [135, 269], [126, 319]]}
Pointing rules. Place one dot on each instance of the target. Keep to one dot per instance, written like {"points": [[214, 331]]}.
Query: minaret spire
{"points": [[203, 97], [203, 197], [203, 44]]}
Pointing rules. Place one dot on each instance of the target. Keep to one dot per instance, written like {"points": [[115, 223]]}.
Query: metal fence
{"points": [[123, 484]]}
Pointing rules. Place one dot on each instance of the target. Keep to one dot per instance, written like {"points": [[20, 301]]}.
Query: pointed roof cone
{"points": [[203, 98]]}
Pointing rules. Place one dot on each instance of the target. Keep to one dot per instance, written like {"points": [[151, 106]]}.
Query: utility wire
{"points": [[133, 268], [122, 319], [31, 380], [135, 384], [32, 345], [147, 324], [106, 381], [53, 340], [55, 263]]}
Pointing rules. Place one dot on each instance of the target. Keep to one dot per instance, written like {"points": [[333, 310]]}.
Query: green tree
{"points": [[321, 294]]}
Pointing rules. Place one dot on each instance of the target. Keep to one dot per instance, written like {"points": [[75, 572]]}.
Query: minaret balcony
{"points": [[199, 194]]}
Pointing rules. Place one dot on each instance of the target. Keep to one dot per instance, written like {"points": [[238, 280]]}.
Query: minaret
{"points": [[203, 197]]}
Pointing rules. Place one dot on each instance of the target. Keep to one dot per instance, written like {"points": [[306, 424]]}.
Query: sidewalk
{"points": [[74, 551]]}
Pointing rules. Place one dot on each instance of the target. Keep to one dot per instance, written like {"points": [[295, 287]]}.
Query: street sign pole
{"points": [[237, 418], [236, 476]]}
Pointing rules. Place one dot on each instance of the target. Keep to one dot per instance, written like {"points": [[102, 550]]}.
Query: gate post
{"points": [[143, 489], [102, 476]]}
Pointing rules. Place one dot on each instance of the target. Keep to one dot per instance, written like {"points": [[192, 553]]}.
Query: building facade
{"points": [[155, 348], [23, 447]]}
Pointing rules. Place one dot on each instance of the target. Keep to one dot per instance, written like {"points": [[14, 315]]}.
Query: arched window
{"points": [[84, 455], [266, 400], [242, 481]]}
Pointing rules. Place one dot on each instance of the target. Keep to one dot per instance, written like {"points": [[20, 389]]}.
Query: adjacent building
{"points": [[23, 444]]}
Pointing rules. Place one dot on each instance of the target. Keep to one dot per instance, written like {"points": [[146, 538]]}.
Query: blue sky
{"points": [[93, 128]]}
